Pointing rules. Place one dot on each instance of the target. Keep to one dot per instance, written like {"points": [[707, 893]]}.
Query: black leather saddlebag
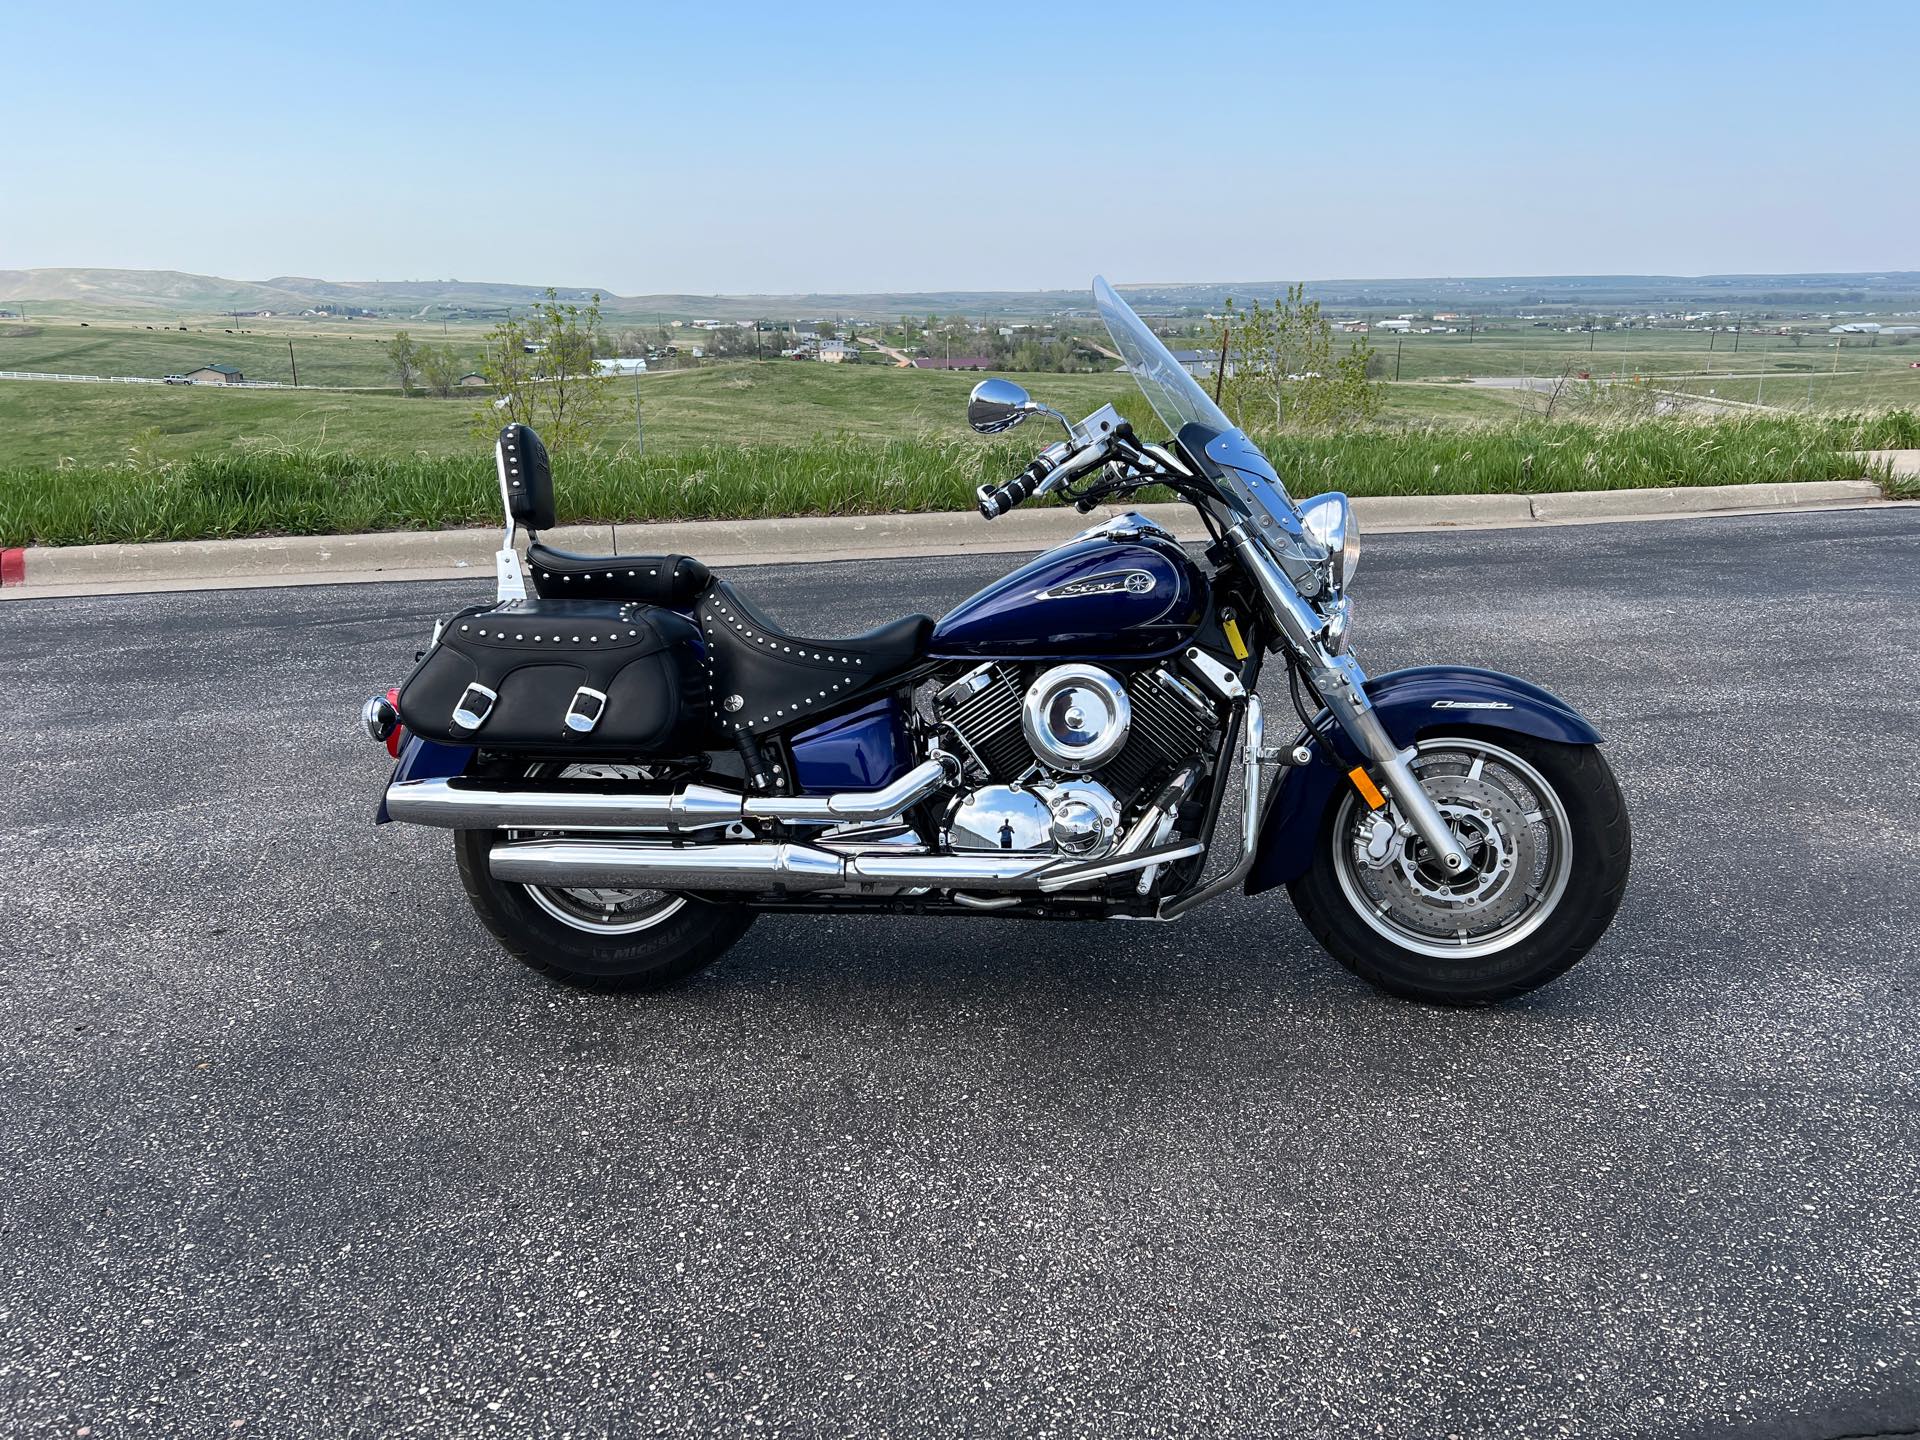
{"points": [[588, 676]]}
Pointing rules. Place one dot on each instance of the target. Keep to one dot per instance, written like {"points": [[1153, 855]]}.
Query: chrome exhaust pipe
{"points": [[765, 865], [463, 804], [745, 865], [637, 865]]}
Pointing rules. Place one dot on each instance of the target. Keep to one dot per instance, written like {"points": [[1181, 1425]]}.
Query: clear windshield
{"points": [[1178, 399], [1175, 395]]}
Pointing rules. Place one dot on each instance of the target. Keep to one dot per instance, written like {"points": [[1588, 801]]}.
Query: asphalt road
{"points": [[289, 1148]]}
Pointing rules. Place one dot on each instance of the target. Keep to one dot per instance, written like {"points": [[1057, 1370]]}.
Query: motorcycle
{"points": [[636, 761]]}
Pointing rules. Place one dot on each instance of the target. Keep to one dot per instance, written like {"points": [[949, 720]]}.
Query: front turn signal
{"points": [[1369, 791]]}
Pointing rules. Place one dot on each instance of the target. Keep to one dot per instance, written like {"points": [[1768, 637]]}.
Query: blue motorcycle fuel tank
{"points": [[1101, 594]]}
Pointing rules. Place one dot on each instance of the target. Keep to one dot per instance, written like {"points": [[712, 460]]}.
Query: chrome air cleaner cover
{"points": [[1076, 717]]}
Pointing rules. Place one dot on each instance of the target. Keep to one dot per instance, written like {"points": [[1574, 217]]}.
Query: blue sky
{"points": [[746, 147]]}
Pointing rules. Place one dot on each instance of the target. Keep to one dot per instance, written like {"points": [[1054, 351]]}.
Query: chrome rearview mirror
{"points": [[997, 405]]}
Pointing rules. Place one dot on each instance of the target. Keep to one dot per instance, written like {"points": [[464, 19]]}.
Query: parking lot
{"points": [[290, 1148]]}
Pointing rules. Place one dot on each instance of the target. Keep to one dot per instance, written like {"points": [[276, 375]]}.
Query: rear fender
{"points": [[424, 760], [1410, 703]]}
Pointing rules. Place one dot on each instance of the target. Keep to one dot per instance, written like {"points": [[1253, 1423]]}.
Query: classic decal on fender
{"points": [[1470, 705], [1132, 582]]}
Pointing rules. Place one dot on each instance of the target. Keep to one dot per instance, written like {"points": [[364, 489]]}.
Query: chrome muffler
{"points": [[745, 865], [766, 865], [463, 804]]}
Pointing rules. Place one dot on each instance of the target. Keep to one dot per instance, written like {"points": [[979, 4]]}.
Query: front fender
{"points": [[1409, 703]]}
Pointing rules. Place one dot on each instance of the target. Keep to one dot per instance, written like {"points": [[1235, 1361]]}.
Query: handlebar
{"points": [[1060, 461], [996, 501]]}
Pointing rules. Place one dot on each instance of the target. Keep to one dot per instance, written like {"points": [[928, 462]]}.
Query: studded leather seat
{"points": [[761, 677], [674, 580]]}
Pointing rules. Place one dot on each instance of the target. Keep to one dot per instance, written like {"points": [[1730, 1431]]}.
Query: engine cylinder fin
{"points": [[1167, 728], [989, 719], [1167, 732]]}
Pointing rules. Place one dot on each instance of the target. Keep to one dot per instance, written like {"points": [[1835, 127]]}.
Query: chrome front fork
{"points": [[1343, 685]]}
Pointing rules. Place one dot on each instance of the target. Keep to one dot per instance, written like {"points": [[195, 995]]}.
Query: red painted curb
{"points": [[13, 567]]}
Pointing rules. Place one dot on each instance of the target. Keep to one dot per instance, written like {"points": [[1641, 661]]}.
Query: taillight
{"points": [[380, 718]]}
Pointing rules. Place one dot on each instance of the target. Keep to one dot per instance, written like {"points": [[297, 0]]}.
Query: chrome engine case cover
{"points": [[999, 817], [1086, 817], [1076, 717], [1068, 817]]}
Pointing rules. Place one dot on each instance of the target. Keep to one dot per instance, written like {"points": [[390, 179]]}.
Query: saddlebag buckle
{"points": [[470, 711], [587, 707]]}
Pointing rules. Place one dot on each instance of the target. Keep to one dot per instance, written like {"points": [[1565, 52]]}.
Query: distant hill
{"points": [[177, 291]]}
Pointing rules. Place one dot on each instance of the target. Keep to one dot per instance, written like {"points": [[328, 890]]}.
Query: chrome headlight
{"points": [[1328, 521]]}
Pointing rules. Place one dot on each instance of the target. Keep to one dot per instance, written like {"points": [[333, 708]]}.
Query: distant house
{"points": [[215, 375], [835, 352], [473, 380], [1200, 363], [958, 362]]}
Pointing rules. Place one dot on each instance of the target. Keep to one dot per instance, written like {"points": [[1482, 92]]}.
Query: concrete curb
{"points": [[468, 554]]}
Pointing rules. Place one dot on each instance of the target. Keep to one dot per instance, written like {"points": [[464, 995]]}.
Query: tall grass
{"points": [[305, 491]]}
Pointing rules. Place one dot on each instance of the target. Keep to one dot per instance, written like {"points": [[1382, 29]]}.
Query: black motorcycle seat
{"points": [[765, 676], [672, 580]]}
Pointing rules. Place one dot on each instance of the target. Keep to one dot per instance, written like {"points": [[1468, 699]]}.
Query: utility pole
{"points": [[293, 362], [1399, 341], [639, 433]]}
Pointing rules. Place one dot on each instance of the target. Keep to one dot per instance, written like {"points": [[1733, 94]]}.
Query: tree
{"points": [[1282, 372], [541, 369], [403, 358], [441, 366]]}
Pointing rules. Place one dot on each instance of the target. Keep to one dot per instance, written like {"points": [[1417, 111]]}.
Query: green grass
{"points": [[309, 491], [1769, 368], [771, 402], [121, 347]]}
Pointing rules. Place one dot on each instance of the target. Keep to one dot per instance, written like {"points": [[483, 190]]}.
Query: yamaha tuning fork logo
{"points": [[1131, 582]]}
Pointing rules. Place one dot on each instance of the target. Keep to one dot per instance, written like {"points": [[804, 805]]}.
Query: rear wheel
{"points": [[1548, 842], [597, 938]]}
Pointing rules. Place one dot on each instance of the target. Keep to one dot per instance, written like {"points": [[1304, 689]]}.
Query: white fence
{"points": [[140, 380]]}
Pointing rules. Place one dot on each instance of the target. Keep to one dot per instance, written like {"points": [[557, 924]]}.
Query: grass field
{"points": [[102, 462], [1771, 366], [775, 401], [306, 491], [119, 347]]}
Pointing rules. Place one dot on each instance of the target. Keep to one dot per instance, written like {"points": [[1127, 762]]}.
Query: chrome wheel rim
{"points": [[596, 911], [1519, 844]]}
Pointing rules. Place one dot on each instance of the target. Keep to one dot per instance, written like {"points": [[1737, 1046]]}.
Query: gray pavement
{"points": [[289, 1148]]}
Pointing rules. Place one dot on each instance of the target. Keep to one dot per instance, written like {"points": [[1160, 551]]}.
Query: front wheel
{"points": [[1546, 832]]}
